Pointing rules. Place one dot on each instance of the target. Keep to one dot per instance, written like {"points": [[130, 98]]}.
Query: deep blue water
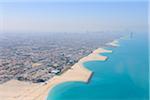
{"points": [[124, 76]]}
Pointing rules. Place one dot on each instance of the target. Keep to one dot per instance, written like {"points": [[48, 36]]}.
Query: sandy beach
{"points": [[17, 90], [114, 43]]}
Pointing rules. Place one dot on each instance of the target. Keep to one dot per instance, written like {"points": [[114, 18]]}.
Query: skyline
{"points": [[73, 17]]}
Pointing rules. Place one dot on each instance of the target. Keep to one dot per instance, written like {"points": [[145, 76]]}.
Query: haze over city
{"points": [[73, 16]]}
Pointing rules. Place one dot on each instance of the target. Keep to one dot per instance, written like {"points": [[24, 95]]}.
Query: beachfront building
{"points": [[55, 71]]}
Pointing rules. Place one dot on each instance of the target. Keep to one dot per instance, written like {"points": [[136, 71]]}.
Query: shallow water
{"points": [[124, 76]]}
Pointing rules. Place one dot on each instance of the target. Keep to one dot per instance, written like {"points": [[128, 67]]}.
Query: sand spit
{"points": [[114, 43]]}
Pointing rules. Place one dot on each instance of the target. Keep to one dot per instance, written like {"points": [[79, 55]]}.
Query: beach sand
{"points": [[114, 43], [17, 90]]}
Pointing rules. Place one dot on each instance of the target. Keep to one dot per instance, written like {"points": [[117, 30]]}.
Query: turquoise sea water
{"points": [[124, 76]]}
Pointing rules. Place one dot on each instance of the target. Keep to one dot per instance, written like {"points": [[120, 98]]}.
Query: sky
{"points": [[73, 16]]}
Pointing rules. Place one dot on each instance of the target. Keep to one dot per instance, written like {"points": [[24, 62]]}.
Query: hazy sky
{"points": [[73, 16]]}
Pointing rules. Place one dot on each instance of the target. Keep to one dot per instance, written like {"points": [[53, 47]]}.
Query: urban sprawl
{"points": [[37, 57]]}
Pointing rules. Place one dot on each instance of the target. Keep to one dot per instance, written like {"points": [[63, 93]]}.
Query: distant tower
{"points": [[131, 35]]}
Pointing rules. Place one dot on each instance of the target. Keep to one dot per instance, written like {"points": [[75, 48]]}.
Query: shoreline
{"points": [[31, 91], [114, 43]]}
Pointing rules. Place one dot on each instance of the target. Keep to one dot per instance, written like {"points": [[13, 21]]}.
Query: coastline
{"points": [[16, 90], [114, 43]]}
